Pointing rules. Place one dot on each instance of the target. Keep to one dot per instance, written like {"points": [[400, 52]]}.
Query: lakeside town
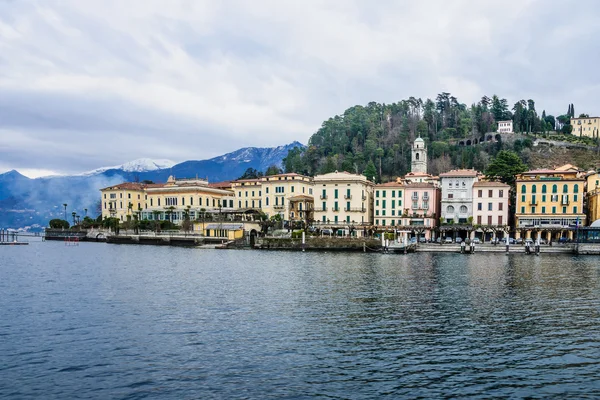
{"points": [[553, 205]]}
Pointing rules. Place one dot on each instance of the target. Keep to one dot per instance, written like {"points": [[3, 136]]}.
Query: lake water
{"points": [[99, 321]]}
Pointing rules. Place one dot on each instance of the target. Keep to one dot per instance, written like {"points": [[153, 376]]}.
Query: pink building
{"points": [[421, 207], [490, 208]]}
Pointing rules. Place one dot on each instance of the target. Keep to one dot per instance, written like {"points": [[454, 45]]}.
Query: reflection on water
{"points": [[106, 321]]}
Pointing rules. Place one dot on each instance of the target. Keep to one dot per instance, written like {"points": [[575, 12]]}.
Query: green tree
{"points": [[251, 173], [505, 166], [370, 172], [273, 170], [58, 224]]}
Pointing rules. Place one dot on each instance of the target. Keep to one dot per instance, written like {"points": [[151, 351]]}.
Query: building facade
{"points": [[177, 198], [589, 126], [457, 195], [389, 204], [422, 208], [490, 208], [343, 199], [549, 202], [277, 190], [505, 126], [122, 201], [248, 194], [593, 196]]}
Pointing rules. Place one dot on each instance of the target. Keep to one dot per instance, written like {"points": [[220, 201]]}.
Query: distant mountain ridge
{"points": [[26, 202]]}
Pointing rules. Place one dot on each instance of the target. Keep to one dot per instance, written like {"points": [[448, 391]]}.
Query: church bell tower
{"points": [[419, 156]]}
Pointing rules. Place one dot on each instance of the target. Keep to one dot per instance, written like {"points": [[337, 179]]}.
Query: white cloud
{"points": [[116, 80]]}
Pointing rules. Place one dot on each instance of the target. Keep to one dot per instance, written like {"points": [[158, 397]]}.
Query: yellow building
{"points": [[223, 230], [123, 200], [301, 208], [279, 189], [248, 193], [589, 126], [593, 196], [345, 199], [172, 200], [549, 203]]}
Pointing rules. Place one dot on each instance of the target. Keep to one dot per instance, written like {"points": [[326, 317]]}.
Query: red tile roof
{"points": [[390, 184]]}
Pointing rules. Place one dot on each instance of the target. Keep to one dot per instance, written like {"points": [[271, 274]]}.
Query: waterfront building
{"points": [[457, 201], [178, 197], [587, 126], [421, 209], [549, 203], [280, 195], [457, 195], [248, 194], [490, 209], [505, 126], [388, 204], [344, 200], [593, 196], [122, 201]]}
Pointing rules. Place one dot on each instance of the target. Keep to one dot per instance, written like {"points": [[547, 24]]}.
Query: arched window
{"points": [[554, 189], [417, 156], [523, 190], [533, 189], [463, 209], [565, 188], [576, 189], [543, 188], [450, 209]]}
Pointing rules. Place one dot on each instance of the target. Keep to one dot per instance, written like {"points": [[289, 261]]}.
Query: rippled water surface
{"points": [[107, 321]]}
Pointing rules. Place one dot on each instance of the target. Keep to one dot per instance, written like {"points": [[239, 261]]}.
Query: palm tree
{"points": [[85, 210], [65, 206]]}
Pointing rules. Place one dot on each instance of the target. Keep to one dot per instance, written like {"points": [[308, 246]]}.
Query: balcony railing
{"points": [[348, 197], [533, 202], [355, 209], [322, 209], [364, 197], [323, 197], [278, 207], [335, 209]]}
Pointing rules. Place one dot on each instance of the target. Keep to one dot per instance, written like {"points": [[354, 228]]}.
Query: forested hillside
{"points": [[379, 136]]}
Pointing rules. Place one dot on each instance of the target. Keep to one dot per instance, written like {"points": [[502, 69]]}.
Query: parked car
{"points": [[476, 241], [458, 240], [327, 232], [519, 241], [438, 240], [422, 240], [543, 241], [564, 240], [448, 240]]}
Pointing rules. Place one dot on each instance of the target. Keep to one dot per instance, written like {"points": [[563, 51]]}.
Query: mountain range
{"points": [[31, 203]]}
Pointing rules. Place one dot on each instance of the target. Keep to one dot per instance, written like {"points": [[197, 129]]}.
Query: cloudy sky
{"points": [[91, 83]]}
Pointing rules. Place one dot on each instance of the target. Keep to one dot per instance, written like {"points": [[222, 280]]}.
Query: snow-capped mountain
{"points": [[25, 201], [139, 165]]}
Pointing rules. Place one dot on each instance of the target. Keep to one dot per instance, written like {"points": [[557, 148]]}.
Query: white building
{"points": [[505, 126], [457, 195]]}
